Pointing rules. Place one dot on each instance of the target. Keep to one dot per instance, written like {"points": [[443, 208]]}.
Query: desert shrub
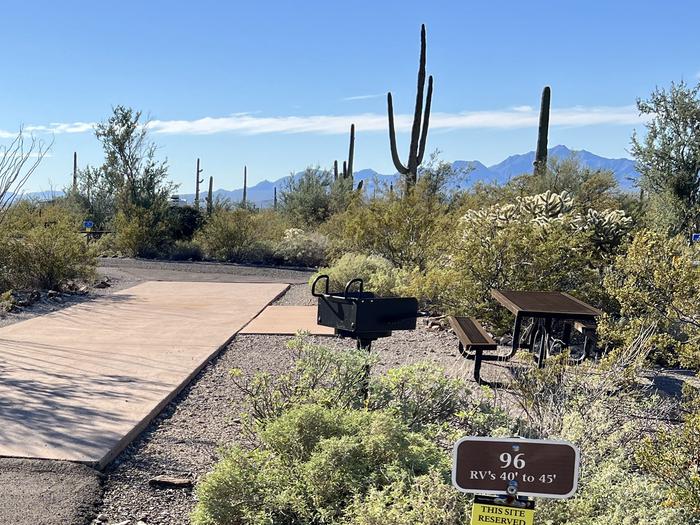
{"points": [[421, 394], [672, 456], [141, 233], [232, 236], [44, 257], [379, 274], [306, 199], [428, 500], [105, 246], [319, 375], [271, 225], [605, 412], [183, 222], [656, 283], [301, 249], [311, 464], [185, 251], [407, 230]]}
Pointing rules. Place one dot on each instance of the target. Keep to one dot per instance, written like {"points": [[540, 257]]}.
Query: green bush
{"points": [[409, 230], [312, 463], [672, 456], [141, 233], [656, 283], [44, 257], [232, 236], [183, 222], [421, 394], [185, 251], [425, 500], [301, 249], [306, 200], [379, 275]]}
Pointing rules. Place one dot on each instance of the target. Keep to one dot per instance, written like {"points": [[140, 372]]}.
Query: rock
{"points": [[101, 518], [51, 294], [103, 284], [169, 482]]}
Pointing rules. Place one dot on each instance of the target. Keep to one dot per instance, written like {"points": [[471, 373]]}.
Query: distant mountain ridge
{"points": [[624, 170], [261, 194]]}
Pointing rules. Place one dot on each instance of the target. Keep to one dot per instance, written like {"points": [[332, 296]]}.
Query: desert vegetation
{"points": [[317, 451]]}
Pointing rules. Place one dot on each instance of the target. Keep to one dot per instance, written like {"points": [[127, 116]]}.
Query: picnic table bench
{"points": [[473, 342]]}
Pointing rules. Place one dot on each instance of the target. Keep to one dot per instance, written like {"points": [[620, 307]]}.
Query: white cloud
{"points": [[251, 124], [364, 97]]}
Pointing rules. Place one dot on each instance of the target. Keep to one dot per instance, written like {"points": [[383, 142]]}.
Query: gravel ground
{"points": [[185, 439]]}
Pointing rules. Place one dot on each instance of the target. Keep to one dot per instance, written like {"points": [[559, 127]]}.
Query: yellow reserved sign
{"points": [[483, 514]]}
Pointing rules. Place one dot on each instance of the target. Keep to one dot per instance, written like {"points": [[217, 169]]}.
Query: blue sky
{"points": [[275, 85]]}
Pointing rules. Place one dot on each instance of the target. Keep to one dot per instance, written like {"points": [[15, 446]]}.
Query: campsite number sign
{"points": [[542, 468]]}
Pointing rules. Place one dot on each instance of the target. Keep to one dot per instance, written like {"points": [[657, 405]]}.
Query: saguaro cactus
{"points": [[198, 181], [542, 133], [347, 165], [75, 171], [274, 198], [210, 196], [351, 153], [245, 186], [419, 131]]}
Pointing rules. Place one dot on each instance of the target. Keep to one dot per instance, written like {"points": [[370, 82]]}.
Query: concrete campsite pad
{"points": [[80, 383], [286, 320]]}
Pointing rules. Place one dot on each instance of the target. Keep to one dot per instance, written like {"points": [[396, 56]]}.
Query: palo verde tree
{"points": [[668, 156], [137, 180], [130, 164], [419, 130]]}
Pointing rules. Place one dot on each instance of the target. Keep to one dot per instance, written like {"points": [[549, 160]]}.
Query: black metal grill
{"points": [[362, 315]]}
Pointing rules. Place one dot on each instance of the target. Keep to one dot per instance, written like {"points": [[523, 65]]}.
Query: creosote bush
{"points": [[312, 462], [44, 257], [379, 274], [231, 236]]}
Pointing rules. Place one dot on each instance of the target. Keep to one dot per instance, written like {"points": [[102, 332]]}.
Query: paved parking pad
{"points": [[286, 320], [80, 383]]}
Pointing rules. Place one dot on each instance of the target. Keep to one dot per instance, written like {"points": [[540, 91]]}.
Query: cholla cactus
{"points": [[607, 227], [498, 215], [547, 206]]}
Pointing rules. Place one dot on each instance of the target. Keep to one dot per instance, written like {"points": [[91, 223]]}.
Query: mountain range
{"points": [[624, 170], [261, 194]]}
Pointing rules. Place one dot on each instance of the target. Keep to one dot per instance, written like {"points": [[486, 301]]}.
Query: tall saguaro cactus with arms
{"points": [[419, 130]]}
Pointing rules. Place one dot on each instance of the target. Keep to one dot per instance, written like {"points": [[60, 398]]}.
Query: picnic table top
{"points": [[545, 304]]}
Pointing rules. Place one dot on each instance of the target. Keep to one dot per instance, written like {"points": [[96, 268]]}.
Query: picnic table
{"points": [[544, 308]]}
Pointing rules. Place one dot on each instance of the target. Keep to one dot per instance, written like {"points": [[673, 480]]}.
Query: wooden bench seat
{"points": [[471, 334], [473, 338]]}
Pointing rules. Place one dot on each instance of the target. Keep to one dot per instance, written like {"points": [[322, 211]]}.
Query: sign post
{"points": [[503, 471]]}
